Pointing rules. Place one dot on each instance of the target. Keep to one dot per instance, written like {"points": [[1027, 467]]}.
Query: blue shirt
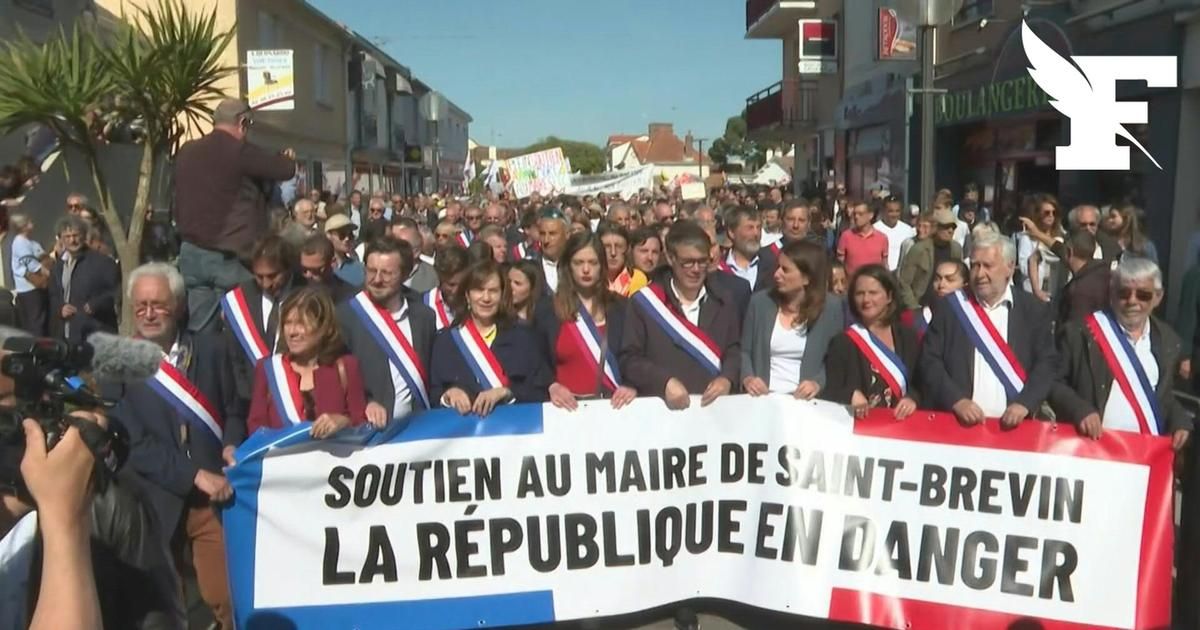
{"points": [[25, 255], [352, 271]]}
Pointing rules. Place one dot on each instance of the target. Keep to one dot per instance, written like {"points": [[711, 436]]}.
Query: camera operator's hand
{"points": [[214, 485], [59, 480]]}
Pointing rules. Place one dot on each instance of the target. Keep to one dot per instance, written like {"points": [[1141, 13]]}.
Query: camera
{"points": [[48, 386]]}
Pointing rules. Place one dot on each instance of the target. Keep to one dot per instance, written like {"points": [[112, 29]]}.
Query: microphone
{"points": [[123, 359]]}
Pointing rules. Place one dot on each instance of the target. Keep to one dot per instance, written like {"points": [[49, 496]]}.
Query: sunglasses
{"points": [[345, 235], [947, 226], [1143, 295]]}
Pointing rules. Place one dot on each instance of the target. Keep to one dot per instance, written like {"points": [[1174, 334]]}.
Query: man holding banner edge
{"points": [[989, 351]]}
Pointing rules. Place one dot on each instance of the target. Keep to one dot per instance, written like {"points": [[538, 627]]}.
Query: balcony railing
{"points": [[789, 103]]}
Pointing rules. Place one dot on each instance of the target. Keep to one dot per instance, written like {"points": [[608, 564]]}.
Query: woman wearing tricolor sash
{"points": [[582, 328], [486, 357], [313, 379], [872, 363], [1120, 362]]}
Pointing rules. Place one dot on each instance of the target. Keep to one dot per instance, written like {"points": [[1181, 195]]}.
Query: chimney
{"points": [[689, 142], [667, 128]]}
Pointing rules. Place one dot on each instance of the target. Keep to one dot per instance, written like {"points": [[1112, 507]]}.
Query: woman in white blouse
{"points": [[788, 329]]}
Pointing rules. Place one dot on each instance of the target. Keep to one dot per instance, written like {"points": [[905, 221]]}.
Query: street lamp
{"points": [[700, 155], [932, 14]]}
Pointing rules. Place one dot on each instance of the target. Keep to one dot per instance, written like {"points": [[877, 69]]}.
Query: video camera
{"points": [[47, 386]]}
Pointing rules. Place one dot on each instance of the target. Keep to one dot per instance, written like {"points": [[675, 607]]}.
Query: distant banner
{"points": [[270, 80], [545, 172], [537, 515], [622, 183]]}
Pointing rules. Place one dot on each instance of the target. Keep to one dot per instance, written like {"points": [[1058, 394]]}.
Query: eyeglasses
{"points": [[344, 235], [76, 206], [1143, 295], [145, 308], [947, 226], [694, 263]]}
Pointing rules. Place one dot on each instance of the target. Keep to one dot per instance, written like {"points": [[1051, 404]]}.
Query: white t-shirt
{"points": [[896, 237], [25, 255], [787, 353]]}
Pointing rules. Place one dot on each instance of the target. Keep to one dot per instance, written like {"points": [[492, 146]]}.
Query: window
{"points": [[270, 32], [323, 74], [974, 10]]}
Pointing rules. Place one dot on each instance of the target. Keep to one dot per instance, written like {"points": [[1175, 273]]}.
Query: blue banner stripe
{"points": [[485, 611], [446, 423], [239, 521]]}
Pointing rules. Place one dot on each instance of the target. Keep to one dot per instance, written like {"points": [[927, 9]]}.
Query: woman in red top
{"points": [[323, 380], [584, 319]]}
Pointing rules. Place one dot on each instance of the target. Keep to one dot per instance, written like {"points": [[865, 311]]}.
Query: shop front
{"points": [[873, 130]]}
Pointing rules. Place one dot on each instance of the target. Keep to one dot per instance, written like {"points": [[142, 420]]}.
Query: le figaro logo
{"points": [[1086, 92]]}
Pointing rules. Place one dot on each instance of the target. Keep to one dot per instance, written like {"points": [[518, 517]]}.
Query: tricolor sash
{"points": [[881, 357], [464, 239], [996, 352], [241, 322], [686, 335], [284, 384], [586, 336], [172, 386], [395, 345], [442, 315], [775, 248], [479, 356], [1127, 371], [520, 251]]}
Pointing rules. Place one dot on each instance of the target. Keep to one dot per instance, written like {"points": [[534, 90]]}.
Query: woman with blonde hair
{"points": [[313, 379]]}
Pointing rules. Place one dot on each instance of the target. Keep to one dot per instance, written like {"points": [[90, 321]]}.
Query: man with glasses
{"points": [[222, 186], [346, 264], [317, 256], [182, 434], [989, 351], [83, 286], [394, 355], [686, 297], [916, 273], [473, 222], [664, 212], [862, 244], [76, 203], [896, 231], [1120, 363]]}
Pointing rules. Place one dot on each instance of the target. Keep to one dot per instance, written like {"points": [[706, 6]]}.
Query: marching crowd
{"points": [[340, 313]]}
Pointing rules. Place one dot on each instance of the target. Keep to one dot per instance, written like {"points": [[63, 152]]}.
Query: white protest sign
{"points": [[270, 80]]}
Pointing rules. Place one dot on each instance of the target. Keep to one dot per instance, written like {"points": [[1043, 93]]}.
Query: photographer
{"points": [[122, 576]]}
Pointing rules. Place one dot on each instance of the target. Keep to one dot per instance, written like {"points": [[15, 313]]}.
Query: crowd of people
{"points": [[365, 311]]}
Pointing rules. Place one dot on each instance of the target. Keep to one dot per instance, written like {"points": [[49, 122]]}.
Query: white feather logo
{"points": [[1066, 85]]}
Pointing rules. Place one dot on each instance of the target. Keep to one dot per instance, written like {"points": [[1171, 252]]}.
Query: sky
{"points": [[576, 69]]}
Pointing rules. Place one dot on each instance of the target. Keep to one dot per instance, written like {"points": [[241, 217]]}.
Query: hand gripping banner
{"points": [[535, 515]]}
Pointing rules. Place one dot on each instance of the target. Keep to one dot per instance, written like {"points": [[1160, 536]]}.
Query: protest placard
{"points": [[544, 172], [536, 514]]}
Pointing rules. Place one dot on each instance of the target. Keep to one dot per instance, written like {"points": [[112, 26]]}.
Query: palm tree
{"points": [[151, 81]]}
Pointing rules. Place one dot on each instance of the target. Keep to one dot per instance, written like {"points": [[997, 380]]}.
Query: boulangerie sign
{"points": [[536, 514]]}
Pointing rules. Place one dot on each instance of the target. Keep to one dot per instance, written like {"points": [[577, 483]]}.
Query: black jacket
{"points": [[240, 362], [159, 452], [947, 362], [1085, 294], [649, 357], [519, 352], [95, 285], [548, 326], [376, 372], [1087, 381], [847, 369]]}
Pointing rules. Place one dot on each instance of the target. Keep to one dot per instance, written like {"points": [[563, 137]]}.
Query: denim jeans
{"points": [[208, 274]]}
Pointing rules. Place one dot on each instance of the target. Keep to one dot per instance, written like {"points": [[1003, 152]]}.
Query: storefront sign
{"points": [[270, 80], [818, 47], [1000, 98], [897, 35]]}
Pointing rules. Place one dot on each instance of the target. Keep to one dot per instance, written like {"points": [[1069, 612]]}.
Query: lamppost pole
{"points": [[933, 13], [700, 156]]}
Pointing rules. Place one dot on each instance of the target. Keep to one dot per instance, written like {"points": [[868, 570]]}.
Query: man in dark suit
{"points": [[389, 385], [1088, 395], [651, 358], [272, 265], [957, 376], [747, 259], [179, 454], [1087, 292], [83, 286]]}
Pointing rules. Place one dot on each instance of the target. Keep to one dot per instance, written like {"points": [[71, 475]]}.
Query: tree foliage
{"points": [[585, 157], [151, 81], [735, 143]]}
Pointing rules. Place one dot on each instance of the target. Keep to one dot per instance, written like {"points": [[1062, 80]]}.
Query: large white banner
{"points": [[545, 172], [537, 514], [625, 184]]}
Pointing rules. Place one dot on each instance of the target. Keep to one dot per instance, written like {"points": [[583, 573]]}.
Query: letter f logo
{"points": [[1088, 96]]}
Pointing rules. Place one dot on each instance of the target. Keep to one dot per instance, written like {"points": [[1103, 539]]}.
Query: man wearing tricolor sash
{"points": [[390, 331], [683, 332], [1120, 362], [183, 425], [251, 310], [989, 351]]}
